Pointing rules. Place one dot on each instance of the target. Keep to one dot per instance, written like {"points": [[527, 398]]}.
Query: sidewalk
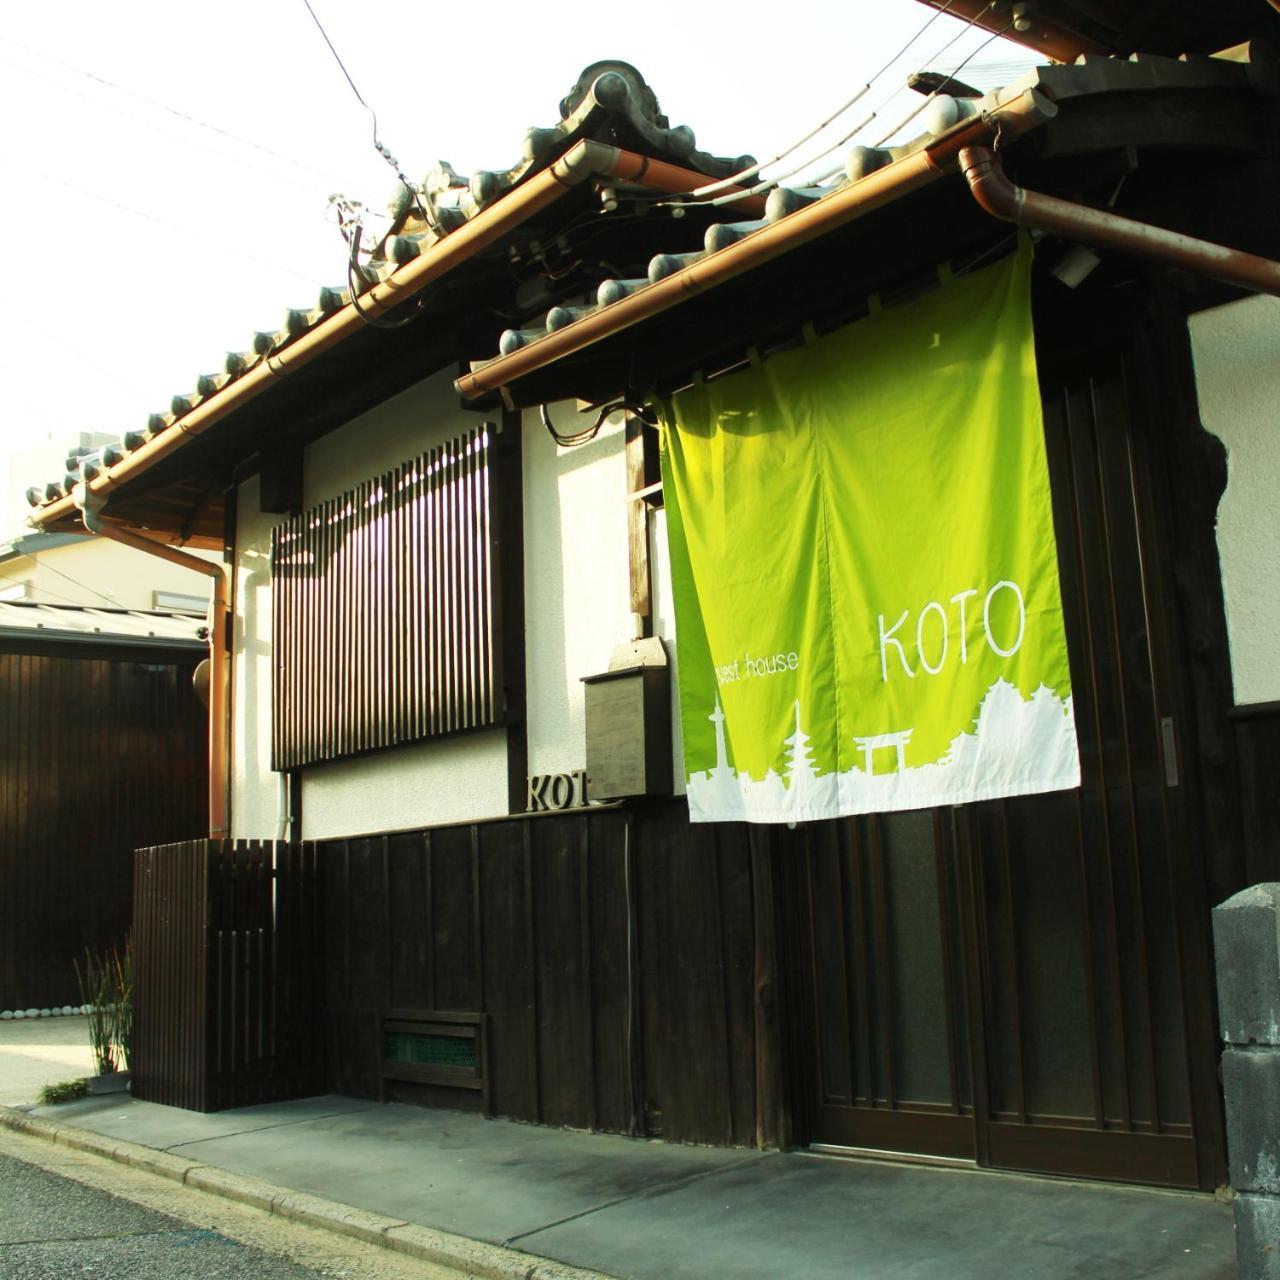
{"points": [[647, 1210], [619, 1206], [39, 1051]]}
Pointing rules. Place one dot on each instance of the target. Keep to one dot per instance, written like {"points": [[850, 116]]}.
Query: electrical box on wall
{"points": [[629, 723]]}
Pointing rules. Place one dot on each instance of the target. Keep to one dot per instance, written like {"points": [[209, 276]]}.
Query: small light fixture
{"points": [[1075, 265]]}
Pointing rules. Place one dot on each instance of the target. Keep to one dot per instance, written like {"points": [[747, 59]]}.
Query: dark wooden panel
{"points": [[612, 969], [226, 957], [694, 1063], [169, 1058], [564, 1037], [510, 988], [99, 755], [409, 982], [456, 939], [1090, 1153], [614, 954]]}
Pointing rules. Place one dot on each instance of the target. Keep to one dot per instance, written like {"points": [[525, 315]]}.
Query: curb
{"points": [[471, 1258]]}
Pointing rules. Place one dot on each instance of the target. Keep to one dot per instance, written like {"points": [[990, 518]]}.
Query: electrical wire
{"points": [[201, 234], [578, 438], [370, 318], [951, 75], [770, 183], [161, 106], [738, 178], [57, 595], [427, 209]]}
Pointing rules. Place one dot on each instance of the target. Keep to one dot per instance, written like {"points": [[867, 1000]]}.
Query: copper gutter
{"points": [[993, 190], [219, 656], [845, 205], [584, 161]]}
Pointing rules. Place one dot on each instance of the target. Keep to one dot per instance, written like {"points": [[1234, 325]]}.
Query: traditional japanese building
{"points": [[450, 589]]}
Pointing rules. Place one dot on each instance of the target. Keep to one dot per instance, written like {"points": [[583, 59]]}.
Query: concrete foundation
{"points": [[1246, 933]]}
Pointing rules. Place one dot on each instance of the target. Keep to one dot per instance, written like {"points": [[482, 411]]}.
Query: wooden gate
{"points": [[227, 974], [1007, 983]]}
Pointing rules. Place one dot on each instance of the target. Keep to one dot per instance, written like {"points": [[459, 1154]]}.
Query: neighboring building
{"points": [[424, 578], [68, 568], [102, 747], [72, 567]]}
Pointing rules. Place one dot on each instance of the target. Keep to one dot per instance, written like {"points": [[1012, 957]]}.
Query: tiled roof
{"points": [[610, 101], [128, 626], [1089, 76]]}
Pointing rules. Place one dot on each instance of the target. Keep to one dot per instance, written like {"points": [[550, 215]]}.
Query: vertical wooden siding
{"points": [[227, 973], [170, 1056], [619, 984], [383, 622], [97, 757]]}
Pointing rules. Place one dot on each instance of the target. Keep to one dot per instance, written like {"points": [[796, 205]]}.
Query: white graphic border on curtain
{"points": [[1018, 747]]}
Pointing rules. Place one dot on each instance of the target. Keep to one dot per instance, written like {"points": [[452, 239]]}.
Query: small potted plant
{"points": [[106, 988]]}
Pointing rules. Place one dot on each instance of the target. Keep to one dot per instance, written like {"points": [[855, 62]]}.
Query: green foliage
{"points": [[106, 986], [64, 1091]]}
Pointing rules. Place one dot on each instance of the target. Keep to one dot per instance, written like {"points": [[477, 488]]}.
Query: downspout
{"points": [[90, 508], [1001, 198]]}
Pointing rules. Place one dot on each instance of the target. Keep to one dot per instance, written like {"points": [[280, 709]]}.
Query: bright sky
{"points": [[141, 245]]}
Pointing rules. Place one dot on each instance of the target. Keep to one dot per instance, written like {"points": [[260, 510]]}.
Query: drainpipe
{"points": [[90, 508], [993, 190]]}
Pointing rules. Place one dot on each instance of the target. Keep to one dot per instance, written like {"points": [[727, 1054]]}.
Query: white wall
{"points": [[664, 625], [1236, 349], [577, 608], [577, 585], [253, 786]]}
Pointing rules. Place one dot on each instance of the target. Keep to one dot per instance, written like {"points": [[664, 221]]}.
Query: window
{"points": [[384, 609]]}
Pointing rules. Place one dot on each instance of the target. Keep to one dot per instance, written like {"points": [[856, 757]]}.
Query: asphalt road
{"points": [[66, 1214]]}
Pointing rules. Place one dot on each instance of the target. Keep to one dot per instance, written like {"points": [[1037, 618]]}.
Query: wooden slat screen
{"points": [[384, 609]]}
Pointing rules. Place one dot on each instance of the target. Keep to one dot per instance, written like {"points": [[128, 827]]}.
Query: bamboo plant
{"points": [[106, 989]]}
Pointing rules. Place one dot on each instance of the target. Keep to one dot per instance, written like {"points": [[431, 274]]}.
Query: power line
{"points": [[75, 582], [165, 107], [769, 183], [741, 176], [226, 247], [423, 201], [57, 595]]}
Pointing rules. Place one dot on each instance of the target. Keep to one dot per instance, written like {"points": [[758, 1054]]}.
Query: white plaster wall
{"points": [[577, 586], [577, 608], [1236, 349], [254, 811], [664, 625]]}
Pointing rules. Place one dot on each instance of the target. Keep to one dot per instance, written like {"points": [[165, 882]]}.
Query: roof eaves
{"points": [[732, 247], [797, 217]]}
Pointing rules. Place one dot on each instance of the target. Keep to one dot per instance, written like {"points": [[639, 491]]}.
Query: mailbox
{"points": [[629, 723]]}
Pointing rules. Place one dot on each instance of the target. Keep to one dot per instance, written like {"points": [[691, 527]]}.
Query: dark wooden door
{"points": [[1004, 982]]}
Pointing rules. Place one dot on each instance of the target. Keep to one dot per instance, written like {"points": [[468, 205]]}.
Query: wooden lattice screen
{"points": [[384, 609]]}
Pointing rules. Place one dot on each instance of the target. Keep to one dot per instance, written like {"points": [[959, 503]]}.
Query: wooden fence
{"points": [[614, 953], [620, 961], [227, 974], [102, 749]]}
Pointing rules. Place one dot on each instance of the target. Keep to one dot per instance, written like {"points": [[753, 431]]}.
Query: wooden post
{"points": [[642, 474]]}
